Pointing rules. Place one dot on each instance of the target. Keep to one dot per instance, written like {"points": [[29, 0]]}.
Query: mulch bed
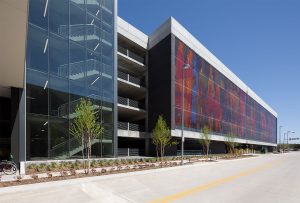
{"points": [[91, 174]]}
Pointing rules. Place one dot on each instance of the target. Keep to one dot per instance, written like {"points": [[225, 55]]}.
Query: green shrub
{"points": [[110, 162], [101, 163], [117, 162], [48, 167], [31, 166], [37, 168], [77, 165], [53, 165], [63, 165], [93, 163], [42, 166], [124, 161], [130, 161]]}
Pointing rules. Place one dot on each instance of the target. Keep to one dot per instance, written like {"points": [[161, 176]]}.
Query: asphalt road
{"points": [[267, 178]]}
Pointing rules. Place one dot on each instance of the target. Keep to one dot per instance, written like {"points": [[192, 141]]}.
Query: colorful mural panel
{"points": [[212, 99]]}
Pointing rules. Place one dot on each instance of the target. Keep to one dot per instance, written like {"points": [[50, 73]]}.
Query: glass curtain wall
{"points": [[212, 100], [70, 55]]}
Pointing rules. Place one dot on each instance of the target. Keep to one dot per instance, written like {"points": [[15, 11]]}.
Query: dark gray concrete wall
{"points": [[18, 139], [159, 74]]}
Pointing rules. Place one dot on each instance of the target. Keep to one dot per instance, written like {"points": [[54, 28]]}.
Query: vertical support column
{"points": [[147, 146], [115, 126], [18, 139], [147, 92]]}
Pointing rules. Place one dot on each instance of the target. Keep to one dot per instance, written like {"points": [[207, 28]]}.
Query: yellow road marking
{"points": [[215, 183]]}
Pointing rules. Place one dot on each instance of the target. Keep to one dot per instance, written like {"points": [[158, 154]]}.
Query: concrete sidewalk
{"points": [[149, 185]]}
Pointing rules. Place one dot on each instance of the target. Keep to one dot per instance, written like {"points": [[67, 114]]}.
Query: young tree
{"points": [[205, 139], [161, 136], [230, 142], [86, 128]]}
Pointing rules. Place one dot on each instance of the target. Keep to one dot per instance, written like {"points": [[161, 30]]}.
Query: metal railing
{"points": [[190, 152], [72, 146], [130, 102], [130, 152], [78, 32], [122, 125], [131, 78], [77, 70], [130, 126], [63, 148], [123, 76], [131, 54], [136, 127]]}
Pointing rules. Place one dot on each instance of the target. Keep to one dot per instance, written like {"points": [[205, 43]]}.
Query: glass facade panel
{"points": [[77, 22], [59, 139], [213, 100], [40, 15], [59, 56], [37, 136], [64, 63], [59, 97], [37, 92], [59, 17], [37, 48], [77, 62]]}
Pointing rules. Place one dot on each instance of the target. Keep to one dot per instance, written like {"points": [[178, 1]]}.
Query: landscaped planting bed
{"points": [[63, 170]]}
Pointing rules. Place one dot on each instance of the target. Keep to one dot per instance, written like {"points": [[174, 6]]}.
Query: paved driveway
{"points": [[267, 178]]}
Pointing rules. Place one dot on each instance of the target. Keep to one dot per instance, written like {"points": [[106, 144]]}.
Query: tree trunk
{"points": [[161, 153], [207, 149], [82, 143], [89, 153], [156, 147], [101, 146]]}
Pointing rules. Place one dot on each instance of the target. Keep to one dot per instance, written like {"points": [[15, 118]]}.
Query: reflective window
{"points": [[68, 58], [59, 17], [93, 69], [107, 17], [108, 5], [37, 49], [37, 92], [77, 62], [38, 14], [93, 7], [59, 97], [78, 3], [37, 136], [59, 56], [107, 88], [77, 91], [93, 33], [77, 23], [59, 139]]}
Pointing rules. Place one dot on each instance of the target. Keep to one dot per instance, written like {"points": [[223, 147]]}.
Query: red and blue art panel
{"points": [[213, 100]]}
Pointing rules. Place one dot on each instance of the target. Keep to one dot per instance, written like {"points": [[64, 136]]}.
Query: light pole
{"points": [[285, 147], [287, 140], [283, 143], [280, 136], [185, 66]]}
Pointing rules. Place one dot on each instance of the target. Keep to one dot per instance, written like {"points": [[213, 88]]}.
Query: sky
{"points": [[259, 40]]}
